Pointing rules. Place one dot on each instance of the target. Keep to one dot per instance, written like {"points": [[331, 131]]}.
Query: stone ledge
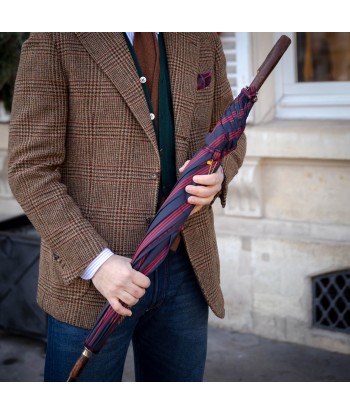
{"points": [[317, 139], [276, 229]]}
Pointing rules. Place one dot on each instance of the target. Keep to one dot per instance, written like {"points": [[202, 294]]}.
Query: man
{"points": [[102, 125]]}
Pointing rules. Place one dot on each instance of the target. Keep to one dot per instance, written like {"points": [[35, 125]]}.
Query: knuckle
{"points": [[134, 301], [128, 272], [119, 284], [146, 282], [129, 277], [139, 293], [121, 310], [135, 293], [115, 305]]}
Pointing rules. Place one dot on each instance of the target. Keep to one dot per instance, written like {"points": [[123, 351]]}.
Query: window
{"points": [[313, 78], [323, 57], [236, 47]]}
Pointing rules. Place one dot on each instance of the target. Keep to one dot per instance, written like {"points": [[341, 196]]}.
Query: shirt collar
{"points": [[130, 35]]}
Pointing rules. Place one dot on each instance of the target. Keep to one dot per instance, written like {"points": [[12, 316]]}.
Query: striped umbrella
{"points": [[174, 212]]}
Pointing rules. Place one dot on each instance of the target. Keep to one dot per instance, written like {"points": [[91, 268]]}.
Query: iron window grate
{"points": [[331, 301]]}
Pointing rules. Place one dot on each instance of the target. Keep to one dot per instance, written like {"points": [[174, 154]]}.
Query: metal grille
{"points": [[331, 301]]}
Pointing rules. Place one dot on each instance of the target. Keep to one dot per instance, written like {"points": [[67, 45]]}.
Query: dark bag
{"points": [[19, 265]]}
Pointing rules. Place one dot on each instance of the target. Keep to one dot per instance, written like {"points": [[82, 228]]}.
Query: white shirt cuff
{"points": [[91, 269]]}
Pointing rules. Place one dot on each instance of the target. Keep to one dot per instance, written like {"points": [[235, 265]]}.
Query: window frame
{"points": [[307, 100]]}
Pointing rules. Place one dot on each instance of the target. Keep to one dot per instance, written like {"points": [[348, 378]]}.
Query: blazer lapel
{"points": [[111, 53], [183, 54]]}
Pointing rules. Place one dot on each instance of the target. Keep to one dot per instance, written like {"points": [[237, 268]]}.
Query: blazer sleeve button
{"points": [[56, 257]]}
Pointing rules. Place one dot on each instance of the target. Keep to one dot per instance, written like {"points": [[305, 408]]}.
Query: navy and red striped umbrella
{"points": [[175, 210]]}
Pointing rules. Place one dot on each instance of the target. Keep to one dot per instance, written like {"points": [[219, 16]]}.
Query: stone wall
{"points": [[287, 219], [8, 206]]}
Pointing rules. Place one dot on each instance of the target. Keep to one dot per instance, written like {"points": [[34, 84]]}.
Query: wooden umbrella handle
{"points": [[271, 61], [79, 365]]}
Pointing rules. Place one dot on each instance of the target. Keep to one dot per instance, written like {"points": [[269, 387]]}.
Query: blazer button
{"points": [[149, 220], [56, 257]]}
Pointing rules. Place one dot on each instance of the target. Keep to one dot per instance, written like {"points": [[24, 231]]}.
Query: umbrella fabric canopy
{"points": [[174, 212]]}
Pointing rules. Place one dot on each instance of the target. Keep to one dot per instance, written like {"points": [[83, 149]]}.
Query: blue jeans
{"points": [[168, 330]]}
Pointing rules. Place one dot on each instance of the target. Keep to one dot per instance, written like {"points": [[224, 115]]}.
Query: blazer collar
{"points": [[111, 53]]}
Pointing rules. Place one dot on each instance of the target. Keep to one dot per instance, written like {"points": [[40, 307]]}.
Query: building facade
{"points": [[284, 236]]}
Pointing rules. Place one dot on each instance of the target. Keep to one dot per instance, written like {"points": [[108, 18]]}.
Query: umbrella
{"points": [[174, 212]]}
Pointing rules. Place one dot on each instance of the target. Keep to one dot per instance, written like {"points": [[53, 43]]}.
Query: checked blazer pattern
{"points": [[84, 162]]}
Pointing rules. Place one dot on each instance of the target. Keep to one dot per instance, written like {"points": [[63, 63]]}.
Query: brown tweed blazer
{"points": [[84, 163]]}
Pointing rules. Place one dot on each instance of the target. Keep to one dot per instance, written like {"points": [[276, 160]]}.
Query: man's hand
{"points": [[203, 195], [117, 280]]}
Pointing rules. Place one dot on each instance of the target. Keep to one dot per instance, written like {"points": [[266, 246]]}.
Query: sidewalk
{"points": [[232, 357]]}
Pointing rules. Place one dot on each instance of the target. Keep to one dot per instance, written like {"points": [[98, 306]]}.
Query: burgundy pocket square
{"points": [[203, 80]]}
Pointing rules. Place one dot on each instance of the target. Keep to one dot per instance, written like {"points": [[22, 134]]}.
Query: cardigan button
{"points": [[153, 176], [149, 220], [152, 116], [143, 80]]}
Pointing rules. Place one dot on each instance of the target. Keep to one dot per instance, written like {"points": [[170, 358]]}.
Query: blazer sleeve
{"points": [[36, 152], [232, 162]]}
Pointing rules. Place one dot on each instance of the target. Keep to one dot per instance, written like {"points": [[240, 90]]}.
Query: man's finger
{"points": [[207, 179], [182, 168], [202, 191], [140, 280], [136, 291], [128, 299], [118, 308]]}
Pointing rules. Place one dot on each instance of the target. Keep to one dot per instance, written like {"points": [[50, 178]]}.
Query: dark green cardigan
{"points": [[166, 131]]}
